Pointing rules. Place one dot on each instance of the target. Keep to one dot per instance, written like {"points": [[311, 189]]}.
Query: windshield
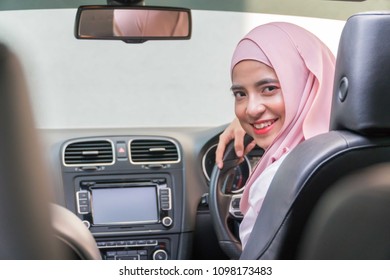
{"points": [[77, 84]]}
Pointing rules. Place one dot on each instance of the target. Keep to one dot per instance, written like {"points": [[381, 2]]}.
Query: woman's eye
{"points": [[270, 89], [239, 94]]}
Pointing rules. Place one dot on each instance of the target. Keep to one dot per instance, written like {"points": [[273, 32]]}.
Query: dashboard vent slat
{"points": [[153, 151], [94, 152]]}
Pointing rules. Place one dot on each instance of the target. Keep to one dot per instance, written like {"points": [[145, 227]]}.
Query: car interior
{"points": [[155, 193]]}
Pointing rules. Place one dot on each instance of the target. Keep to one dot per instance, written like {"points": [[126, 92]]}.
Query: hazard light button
{"points": [[121, 151]]}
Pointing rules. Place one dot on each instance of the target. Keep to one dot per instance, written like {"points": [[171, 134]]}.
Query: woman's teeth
{"points": [[262, 125]]}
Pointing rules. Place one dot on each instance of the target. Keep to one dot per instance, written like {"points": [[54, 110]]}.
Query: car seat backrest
{"points": [[31, 226], [25, 231], [351, 221]]}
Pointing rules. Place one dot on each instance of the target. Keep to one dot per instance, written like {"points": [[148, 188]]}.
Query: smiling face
{"points": [[259, 104]]}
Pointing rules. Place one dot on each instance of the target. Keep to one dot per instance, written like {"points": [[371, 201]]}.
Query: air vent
{"points": [[96, 152], [153, 151]]}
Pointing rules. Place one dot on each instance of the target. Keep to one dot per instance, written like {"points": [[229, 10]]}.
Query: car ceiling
{"points": [[312, 8]]}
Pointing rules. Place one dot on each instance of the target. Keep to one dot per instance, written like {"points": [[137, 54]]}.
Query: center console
{"points": [[133, 209]]}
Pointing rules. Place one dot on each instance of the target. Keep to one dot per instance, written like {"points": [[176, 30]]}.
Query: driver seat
{"points": [[359, 137], [31, 228]]}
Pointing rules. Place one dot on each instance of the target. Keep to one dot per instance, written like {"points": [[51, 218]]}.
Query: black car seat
{"points": [[352, 220], [31, 227], [359, 138]]}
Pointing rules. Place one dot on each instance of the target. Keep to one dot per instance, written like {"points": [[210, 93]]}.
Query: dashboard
{"points": [[142, 192]]}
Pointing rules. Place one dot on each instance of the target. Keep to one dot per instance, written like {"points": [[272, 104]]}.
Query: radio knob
{"points": [[87, 223], [160, 255], [167, 221]]}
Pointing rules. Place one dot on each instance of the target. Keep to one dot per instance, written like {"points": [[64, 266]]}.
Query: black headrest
{"points": [[361, 101]]}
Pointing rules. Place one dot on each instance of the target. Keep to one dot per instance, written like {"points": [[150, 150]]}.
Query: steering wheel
{"points": [[224, 206]]}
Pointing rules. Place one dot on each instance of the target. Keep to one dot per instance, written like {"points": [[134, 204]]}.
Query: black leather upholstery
{"points": [[360, 137], [352, 220], [363, 62]]}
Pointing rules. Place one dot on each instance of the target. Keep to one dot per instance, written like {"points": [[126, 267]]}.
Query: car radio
{"points": [[125, 205]]}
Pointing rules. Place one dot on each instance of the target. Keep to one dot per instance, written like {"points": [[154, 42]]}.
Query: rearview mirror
{"points": [[133, 24]]}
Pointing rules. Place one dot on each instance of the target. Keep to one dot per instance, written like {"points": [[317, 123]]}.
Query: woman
{"points": [[282, 81]]}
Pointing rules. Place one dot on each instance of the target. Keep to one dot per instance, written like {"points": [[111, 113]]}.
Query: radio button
{"points": [[83, 202], [84, 209], [165, 206], [111, 254], [151, 242], [83, 195], [123, 253], [167, 221], [131, 243], [101, 244], [164, 191], [111, 244], [142, 252], [160, 255], [87, 223]]}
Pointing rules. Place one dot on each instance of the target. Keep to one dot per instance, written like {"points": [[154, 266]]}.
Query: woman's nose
{"points": [[255, 107]]}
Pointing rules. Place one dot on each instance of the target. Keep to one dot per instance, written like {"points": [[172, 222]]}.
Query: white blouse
{"points": [[256, 197]]}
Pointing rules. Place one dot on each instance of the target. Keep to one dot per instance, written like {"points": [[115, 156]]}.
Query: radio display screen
{"points": [[125, 205]]}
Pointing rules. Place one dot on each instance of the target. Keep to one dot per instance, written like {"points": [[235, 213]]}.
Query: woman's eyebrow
{"points": [[257, 84], [266, 81], [236, 87]]}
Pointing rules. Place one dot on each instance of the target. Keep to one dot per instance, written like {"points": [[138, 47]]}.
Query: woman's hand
{"points": [[233, 132]]}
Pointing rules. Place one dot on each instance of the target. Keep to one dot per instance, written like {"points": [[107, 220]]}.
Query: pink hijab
{"points": [[305, 69]]}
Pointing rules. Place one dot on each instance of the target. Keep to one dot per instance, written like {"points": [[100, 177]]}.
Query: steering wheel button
{"points": [[236, 203]]}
